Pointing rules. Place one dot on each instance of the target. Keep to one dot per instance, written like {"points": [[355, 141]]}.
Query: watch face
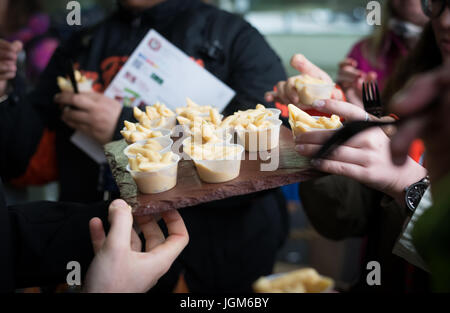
{"points": [[415, 194]]}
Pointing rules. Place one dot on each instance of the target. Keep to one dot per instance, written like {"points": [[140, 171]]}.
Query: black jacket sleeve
{"points": [[22, 122], [339, 207], [46, 236], [256, 69]]}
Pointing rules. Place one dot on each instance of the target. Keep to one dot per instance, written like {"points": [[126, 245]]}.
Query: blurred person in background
{"points": [[429, 230], [368, 195], [233, 241], [24, 23], [431, 233], [374, 58]]}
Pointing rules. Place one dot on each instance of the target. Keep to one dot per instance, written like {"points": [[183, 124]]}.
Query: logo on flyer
{"points": [[154, 44]]}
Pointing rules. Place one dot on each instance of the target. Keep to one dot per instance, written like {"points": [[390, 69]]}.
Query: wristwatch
{"points": [[415, 192]]}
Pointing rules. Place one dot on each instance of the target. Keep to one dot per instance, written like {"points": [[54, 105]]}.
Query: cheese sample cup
{"points": [[153, 179], [302, 122], [134, 132], [192, 110], [260, 139], [310, 89], [156, 116], [165, 122], [84, 84], [218, 163], [161, 145], [219, 140], [275, 114]]}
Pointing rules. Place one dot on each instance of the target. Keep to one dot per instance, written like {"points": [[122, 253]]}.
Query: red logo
{"points": [[154, 44]]}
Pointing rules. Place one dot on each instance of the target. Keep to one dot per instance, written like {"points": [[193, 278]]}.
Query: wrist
{"points": [[412, 173]]}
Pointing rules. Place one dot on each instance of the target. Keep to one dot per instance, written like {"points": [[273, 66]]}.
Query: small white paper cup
{"points": [[308, 93], [157, 181], [220, 171], [262, 139], [165, 142]]}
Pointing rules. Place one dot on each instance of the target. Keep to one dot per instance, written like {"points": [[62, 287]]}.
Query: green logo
{"points": [[157, 79]]}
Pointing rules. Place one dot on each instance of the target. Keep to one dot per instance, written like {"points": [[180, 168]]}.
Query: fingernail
{"points": [[300, 148], [315, 163], [319, 103], [114, 205], [119, 204]]}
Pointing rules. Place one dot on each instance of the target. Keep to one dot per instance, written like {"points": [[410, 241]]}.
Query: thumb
{"points": [[17, 46], [304, 66]]}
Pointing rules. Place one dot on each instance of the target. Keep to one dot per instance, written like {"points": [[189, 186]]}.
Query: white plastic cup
{"points": [[166, 133], [157, 181], [207, 116], [308, 93], [311, 129], [328, 289], [227, 140], [262, 139], [85, 86], [165, 142], [275, 114], [220, 171], [170, 122]]}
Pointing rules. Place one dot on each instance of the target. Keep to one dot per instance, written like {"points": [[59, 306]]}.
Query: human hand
{"points": [[8, 59], [286, 92], [365, 158], [350, 112], [119, 265], [91, 113], [351, 80], [433, 127]]}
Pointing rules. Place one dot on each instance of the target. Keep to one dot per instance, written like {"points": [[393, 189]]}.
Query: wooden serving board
{"points": [[191, 191]]}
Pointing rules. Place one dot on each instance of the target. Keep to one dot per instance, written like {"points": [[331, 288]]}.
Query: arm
{"points": [[46, 236], [339, 207], [255, 69], [23, 120]]}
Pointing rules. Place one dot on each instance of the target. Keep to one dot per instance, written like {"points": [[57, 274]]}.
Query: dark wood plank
{"points": [[190, 190]]}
